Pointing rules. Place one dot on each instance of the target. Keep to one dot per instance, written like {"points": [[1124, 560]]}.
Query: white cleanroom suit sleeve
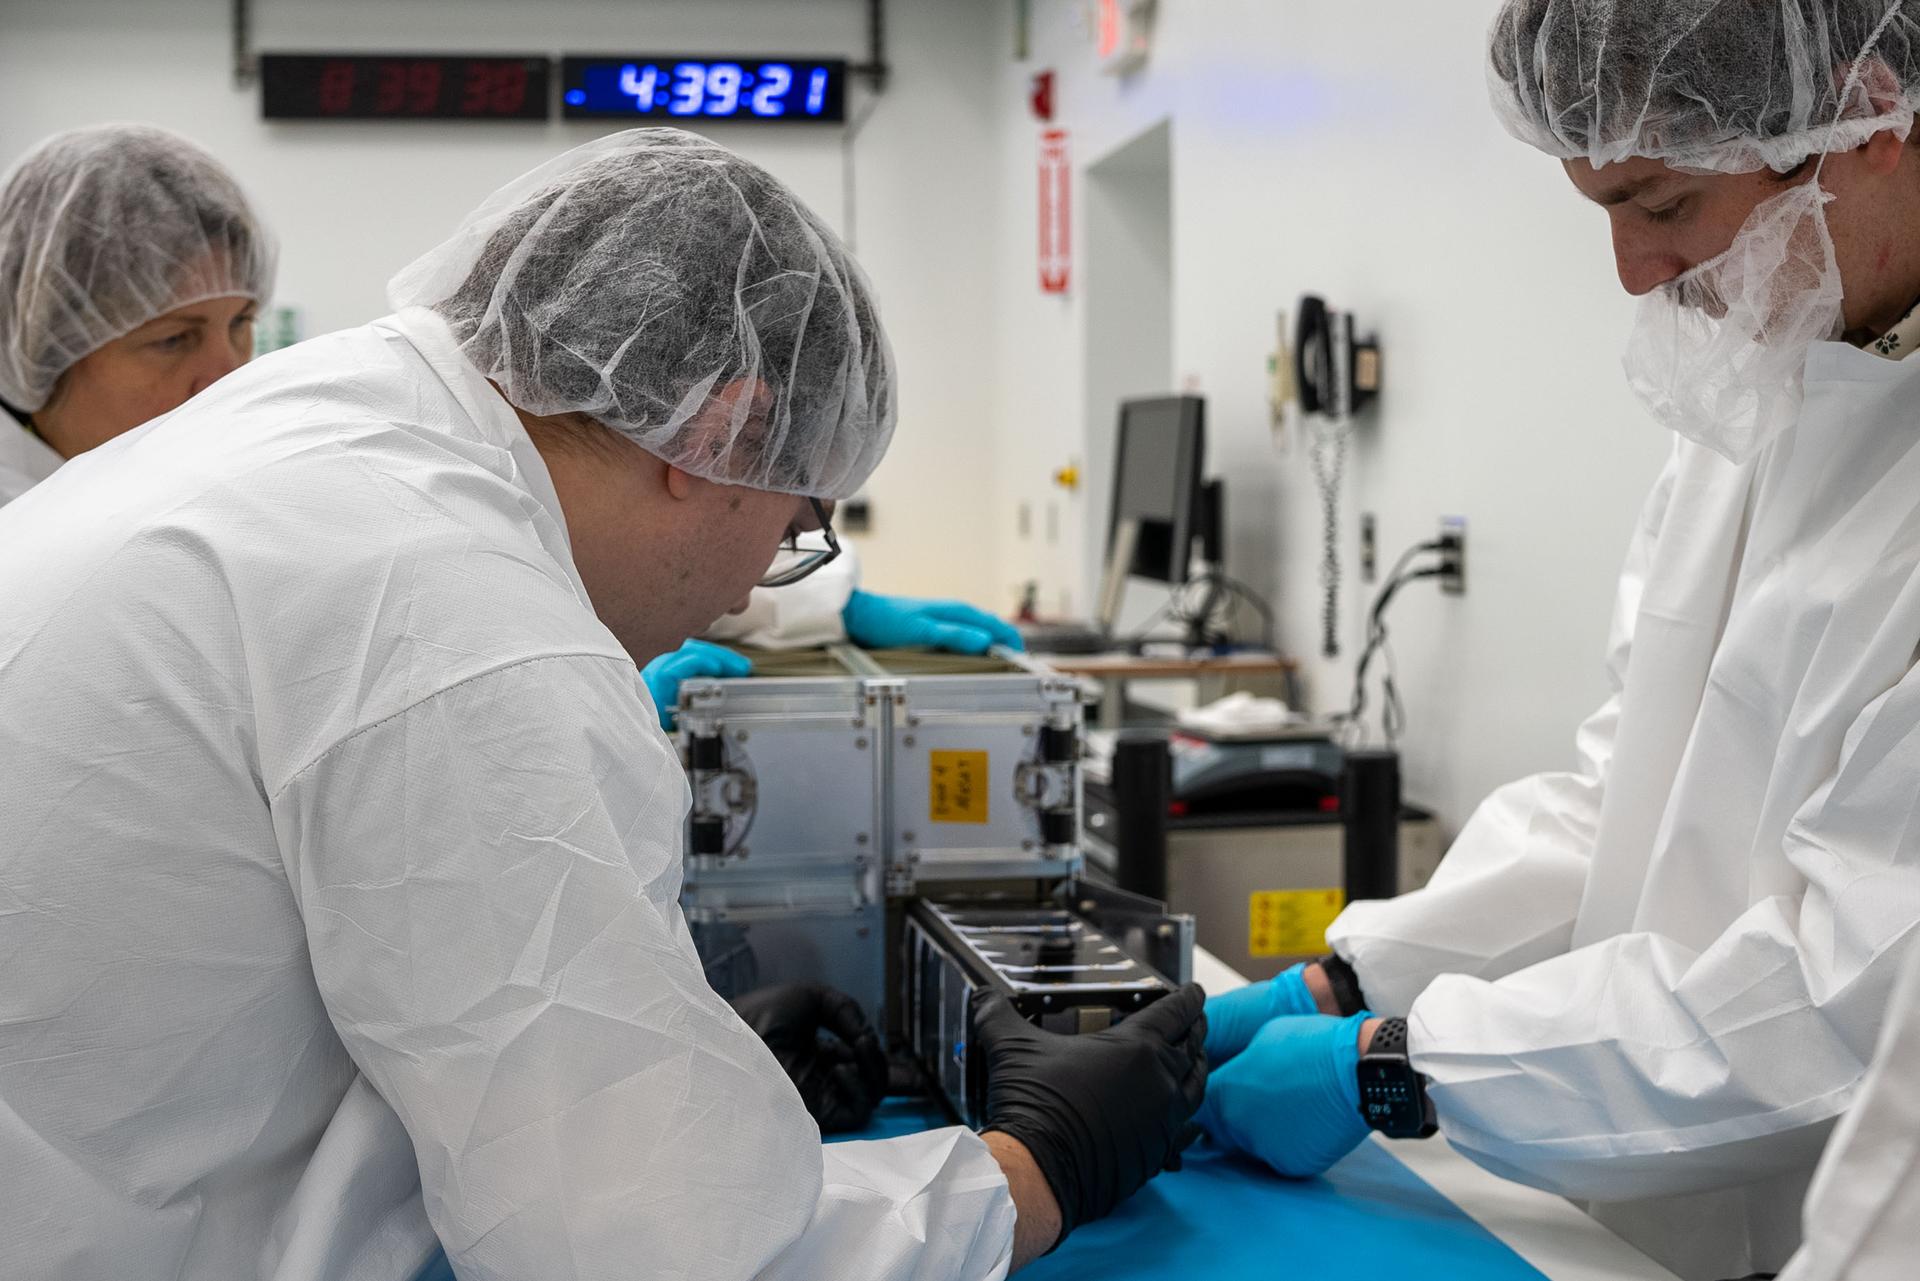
{"points": [[25, 459], [1508, 891], [1640, 1067], [489, 881], [1863, 1215], [799, 615]]}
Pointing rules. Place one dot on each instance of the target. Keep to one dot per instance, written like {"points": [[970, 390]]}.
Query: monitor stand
{"points": [[1113, 588]]}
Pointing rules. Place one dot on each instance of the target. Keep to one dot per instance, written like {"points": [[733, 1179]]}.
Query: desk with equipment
{"points": [[1166, 525], [1166, 529]]}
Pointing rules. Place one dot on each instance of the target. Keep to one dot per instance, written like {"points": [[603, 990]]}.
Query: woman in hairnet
{"points": [[130, 271], [340, 851], [1654, 983]]}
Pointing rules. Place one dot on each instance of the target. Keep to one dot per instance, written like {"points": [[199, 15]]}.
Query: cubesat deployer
{"points": [[906, 827]]}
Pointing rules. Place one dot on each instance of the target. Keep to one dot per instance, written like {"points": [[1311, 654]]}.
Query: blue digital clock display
{"points": [[686, 88]]}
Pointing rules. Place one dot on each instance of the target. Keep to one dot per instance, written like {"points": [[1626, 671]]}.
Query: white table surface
{"points": [[1545, 1230]]}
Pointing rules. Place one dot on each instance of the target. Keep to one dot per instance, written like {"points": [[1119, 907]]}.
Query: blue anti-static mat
{"points": [[1224, 1217]]}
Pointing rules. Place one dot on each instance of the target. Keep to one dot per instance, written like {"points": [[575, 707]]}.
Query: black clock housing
{"points": [[390, 86]]}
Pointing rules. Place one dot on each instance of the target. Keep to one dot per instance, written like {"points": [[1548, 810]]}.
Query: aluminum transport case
{"points": [[834, 789]]}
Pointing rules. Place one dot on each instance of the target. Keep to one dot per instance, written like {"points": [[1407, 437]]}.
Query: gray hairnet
{"points": [[103, 229], [1728, 86], [677, 293]]}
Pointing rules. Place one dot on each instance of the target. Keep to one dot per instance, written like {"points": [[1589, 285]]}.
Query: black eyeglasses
{"points": [[802, 554]]}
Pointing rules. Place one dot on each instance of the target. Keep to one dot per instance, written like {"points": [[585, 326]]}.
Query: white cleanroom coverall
{"points": [[1655, 982], [339, 867], [1862, 1219], [25, 459]]}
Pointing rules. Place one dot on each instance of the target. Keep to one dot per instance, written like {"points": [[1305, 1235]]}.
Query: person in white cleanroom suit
{"points": [[1862, 1220], [1654, 983], [340, 846], [130, 270]]}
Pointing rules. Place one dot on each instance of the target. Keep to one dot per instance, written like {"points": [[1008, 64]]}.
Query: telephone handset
{"points": [[1338, 374], [1313, 357]]}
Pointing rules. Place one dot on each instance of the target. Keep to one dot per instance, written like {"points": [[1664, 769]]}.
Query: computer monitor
{"points": [[1158, 496]]}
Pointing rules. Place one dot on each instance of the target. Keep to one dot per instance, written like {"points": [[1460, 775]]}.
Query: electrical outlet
{"points": [[1453, 555], [1369, 547]]}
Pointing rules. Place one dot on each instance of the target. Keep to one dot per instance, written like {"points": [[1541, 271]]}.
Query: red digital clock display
{"points": [[361, 86]]}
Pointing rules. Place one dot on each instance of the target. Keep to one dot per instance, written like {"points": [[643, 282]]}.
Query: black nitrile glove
{"points": [[821, 1037], [1102, 1112]]}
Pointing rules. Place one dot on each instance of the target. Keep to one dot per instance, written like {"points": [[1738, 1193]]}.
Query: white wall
{"points": [[1348, 150], [1343, 149], [351, 202], [1127, 251]]}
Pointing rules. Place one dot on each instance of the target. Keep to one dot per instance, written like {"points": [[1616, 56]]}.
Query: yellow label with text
{"points": [[957, 787], [1291, 922]]}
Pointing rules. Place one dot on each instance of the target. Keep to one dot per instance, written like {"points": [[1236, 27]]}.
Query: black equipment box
{"points": [[1058, 969]]}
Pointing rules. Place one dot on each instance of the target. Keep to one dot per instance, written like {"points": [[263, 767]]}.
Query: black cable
{"points": [[1399, 566], [1199, 619], [1246, 594], [1214, 595], [1169, 611], [1377, 632], [1393, 710], [1213, 583], [1375, 619], [1393, 713], [1153, 621]]}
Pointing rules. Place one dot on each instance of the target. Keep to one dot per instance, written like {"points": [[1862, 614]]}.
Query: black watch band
{"points": [[1347, 996], [1393, 1096], [1389, 1038]]}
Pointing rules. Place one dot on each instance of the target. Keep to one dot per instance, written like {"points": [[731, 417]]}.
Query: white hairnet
{"points": [[103, 229], [1728, 86], [677, 293]]}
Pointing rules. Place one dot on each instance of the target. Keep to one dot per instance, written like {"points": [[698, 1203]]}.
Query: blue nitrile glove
{"points": [[1233, 1018], [898, 622], [1292, 1097], [693, 660]]}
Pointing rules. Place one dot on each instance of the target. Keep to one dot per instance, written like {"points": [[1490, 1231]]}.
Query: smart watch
{"points": [[1393, 1097]]}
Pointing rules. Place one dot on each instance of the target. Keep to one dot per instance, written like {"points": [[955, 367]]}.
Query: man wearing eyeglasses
{"points": [[821, 1035], [340, 846]]}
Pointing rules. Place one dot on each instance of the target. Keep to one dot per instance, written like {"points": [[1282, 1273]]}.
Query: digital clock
{"points": [[689, 88], [380, 86]]}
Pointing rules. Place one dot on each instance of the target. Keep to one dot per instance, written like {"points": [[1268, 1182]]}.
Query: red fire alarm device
{"points": [[1042, 97]]}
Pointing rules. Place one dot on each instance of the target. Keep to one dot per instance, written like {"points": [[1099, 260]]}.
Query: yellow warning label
{"points": [[1291, 922], [957, 787]]}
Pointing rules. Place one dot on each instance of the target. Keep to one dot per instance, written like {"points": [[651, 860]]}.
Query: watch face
{"points": [[1389, 1095]]}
